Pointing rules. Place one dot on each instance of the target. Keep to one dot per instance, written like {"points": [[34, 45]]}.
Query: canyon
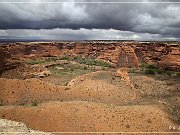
{"points": [[90, 86], [120, 54]]}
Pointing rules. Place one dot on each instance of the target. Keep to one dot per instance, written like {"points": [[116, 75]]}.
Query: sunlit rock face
{"points": [[7, 61], [162, 55], [127, 57], [120, 54]]}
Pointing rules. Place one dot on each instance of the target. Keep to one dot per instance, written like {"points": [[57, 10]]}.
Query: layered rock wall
{"points": [[121, 54], [7, 60]]}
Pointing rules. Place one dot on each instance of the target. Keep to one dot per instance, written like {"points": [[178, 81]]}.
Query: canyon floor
{"points": [[83, 95]]}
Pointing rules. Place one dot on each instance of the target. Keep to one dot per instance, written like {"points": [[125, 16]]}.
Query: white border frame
{"points": [[94, 2], [88, 2]]}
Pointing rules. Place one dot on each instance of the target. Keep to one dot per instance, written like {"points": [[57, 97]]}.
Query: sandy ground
{"points": [[96, 102], [20, 92], [89, 116]]}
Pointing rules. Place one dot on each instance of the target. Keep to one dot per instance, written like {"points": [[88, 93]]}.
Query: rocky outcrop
{"points": [[16, 128], [121, 54], [42, 74], [162, 55], [7, 61], [123, 73], [82, 116], [127, 57]]}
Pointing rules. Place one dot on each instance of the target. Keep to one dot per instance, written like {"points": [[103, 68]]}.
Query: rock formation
{"points": [[7, 61], [16, 128], [121, 54]]}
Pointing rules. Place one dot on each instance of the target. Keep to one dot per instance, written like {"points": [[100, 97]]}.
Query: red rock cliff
{"points": [[122, 54]]}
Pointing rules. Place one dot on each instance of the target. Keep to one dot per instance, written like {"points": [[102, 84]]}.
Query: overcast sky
{"points": [[90, 21]]}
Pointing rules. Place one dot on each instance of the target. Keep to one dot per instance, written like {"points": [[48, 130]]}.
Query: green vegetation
{"points": [[160, 71], [85, 68], [91, 62], [68, 72], [130, 70], [178, 74], [149, 69], [86, 61], [152, 66], [44, 60], [34, 103], [152, 69], [22, 104], [66, 58], [33, 62]]}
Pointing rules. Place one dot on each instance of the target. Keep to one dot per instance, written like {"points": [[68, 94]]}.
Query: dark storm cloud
{"points": [[152, 18]]}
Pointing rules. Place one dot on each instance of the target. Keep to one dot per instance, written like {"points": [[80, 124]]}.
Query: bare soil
{"points": [[91, 101]]}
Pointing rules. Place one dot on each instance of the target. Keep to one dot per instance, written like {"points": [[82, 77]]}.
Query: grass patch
{"points": [[81, 60], [68, 72], [47, 59], [178, 74], [33, 62], [92, 62], [22, 104], [85, 68], [153, 69], [150, 71], [131, 70]]}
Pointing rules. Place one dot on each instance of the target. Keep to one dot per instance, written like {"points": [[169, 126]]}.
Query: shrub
{"points": [[143, 65], [22, 104], [49, 59], [91, 62], [161, 71], [66, 84], [34, 103], [168, 73], [85, 68], [151, 66], [131, 71], [33, 62], [178, 74], [150, 71], [66, 58], [71, 69]]}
